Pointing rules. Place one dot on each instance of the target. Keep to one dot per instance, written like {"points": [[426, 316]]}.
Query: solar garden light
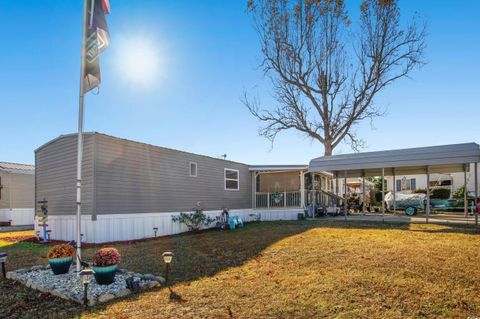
{"points": [[167, 259], [155, 229], [48, 234], [86, 275], [38, 234], [3, 259]]}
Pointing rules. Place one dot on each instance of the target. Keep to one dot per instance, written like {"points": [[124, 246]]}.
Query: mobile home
{"points": [[129, 188], [17, 182]]}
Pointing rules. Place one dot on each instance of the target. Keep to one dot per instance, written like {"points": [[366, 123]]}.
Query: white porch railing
{"points": [[278, 199]]}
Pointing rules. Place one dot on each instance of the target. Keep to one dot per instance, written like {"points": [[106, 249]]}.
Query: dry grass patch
{"points": [[307, 270]]}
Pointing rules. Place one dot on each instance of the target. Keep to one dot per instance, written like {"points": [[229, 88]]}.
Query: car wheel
{"points": [[410, 211]]}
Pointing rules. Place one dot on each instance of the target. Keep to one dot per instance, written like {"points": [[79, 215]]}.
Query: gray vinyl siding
{"points": [[5, 191], [18, 189], [133, 177], [56, 172], [126, 177]]}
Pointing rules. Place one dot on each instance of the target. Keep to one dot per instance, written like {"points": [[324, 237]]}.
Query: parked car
{"points": [[412, 203]]}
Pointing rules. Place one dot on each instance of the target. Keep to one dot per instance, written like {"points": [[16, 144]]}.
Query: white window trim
{"points": [[190, 169], [225, 179]]}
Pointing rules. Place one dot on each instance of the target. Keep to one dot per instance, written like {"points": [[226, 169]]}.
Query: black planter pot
{"points": [[105, 275], [60, 265]]}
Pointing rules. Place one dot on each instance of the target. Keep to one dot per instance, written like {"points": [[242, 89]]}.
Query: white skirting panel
{"points": [[18, 216], [120, 227]]}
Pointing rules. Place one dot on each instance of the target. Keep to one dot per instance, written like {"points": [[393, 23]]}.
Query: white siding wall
{"points": [[421, 180], [120, 227], [18, 216], [457, 179]]}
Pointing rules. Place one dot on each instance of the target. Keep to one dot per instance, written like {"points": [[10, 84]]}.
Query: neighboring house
{"points": [[408, 183], [128, 188], [17, 182]]}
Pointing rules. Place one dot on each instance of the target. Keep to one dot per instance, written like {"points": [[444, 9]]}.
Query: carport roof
{"points": [[410, 161]]}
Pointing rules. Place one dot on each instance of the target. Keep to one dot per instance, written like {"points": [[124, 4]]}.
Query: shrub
{"points": [[419, 191], [458, 194], [437, 193], [106, 257], [61, 251], [378, 197], [194, 221], [440, 193]]}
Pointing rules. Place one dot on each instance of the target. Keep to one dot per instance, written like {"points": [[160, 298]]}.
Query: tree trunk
{"points": [[328, 149]]}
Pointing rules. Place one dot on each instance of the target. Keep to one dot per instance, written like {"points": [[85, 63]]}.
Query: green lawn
{"points": [[308, 269]]}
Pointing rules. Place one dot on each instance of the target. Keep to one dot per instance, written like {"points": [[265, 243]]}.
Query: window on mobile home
{"points": [[231, 179], [193, 169]]}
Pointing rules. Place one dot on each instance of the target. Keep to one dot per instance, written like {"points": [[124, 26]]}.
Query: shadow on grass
{"points": [[196, 256]]}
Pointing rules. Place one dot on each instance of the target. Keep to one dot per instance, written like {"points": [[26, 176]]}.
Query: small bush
{"points": [[420, 191], [194, 221], [378, 197], [437, 193], [440, 193], [61, 251], [459, 193], [106, 257]]}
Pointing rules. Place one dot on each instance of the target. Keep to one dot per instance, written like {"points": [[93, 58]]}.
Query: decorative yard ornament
{"points": [[132, 284], [42, 218], [277, 197], [167, 259], [86, 275]]}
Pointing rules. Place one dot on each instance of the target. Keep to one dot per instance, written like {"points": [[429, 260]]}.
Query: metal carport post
{"points": [[336, 192], [476, 192], [345, 199], [394, 192], [383, 194], [427, 209], [363, 192], [465, 200]]}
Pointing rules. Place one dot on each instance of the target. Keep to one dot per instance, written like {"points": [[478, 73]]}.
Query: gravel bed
{"points": [[69, 286]]}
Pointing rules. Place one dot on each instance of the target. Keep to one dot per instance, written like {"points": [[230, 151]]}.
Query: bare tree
{"points": [[325, 74]]}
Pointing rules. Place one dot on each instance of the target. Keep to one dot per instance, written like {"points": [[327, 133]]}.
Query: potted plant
{"points": [[60, 257], [105, 264]]}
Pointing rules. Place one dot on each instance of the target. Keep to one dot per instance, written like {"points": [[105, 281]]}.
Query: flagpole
{"points": [[80, 137]]}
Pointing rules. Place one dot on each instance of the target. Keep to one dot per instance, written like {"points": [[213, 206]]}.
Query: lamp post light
{"points": [[86, 275], [167, 259], [155, 229], [3, 259]]}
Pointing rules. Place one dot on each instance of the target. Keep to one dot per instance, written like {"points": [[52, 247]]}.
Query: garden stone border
{"points": [[69, 286]]}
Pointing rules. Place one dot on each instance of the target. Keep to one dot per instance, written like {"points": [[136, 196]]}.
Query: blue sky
{"points": [[208, 54]]}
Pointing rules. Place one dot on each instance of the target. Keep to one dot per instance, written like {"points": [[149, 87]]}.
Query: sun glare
{"points": [[138, 61]]}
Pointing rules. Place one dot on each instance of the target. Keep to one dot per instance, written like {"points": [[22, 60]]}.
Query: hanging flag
{"points": [[97, 40]]}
